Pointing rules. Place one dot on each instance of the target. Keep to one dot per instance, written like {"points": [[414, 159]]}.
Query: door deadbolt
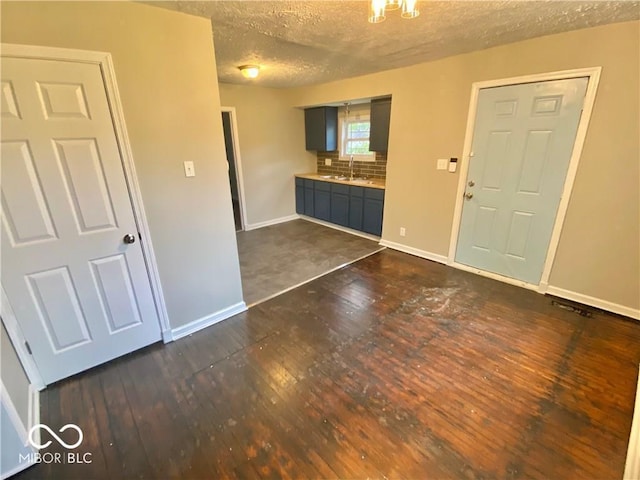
{"points": [[471, 183], [468, 196], [129, 239]]}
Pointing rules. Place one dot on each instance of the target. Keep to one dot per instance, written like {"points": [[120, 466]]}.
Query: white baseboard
{"points": [[275, 221], [632, 466], [415, 251], [594, 302], [204, 322], [357, 233]]}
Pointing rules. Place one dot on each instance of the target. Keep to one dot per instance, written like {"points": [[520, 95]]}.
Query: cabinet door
{"points": [[340, 204], [321, 128], [356, 207], [322, 201], [309, 209], [373, 208], [372, 219], [380, 119], [299, 198]]}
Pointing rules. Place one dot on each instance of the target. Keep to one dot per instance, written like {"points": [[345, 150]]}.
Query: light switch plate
{"points": [[327, 162], [189, 169], [442, 164]]}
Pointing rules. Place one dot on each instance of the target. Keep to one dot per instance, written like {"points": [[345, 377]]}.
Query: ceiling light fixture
{"points": [[249, 71], [379, 7]]}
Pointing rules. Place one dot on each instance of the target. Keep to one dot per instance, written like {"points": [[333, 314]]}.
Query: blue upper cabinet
{"points": [[321, 128], [380, 120]]}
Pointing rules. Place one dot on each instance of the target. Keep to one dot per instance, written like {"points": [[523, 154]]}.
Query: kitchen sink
{"points": [[361, 181]]}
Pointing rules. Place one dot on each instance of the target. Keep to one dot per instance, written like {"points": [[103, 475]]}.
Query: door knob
{"points": [[128, 238], [468, 196], [471, 183]]}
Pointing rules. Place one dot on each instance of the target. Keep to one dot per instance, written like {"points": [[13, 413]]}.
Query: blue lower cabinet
{"points": [[373, 208], [340, 204], [299, 195], [308, 197], [356, 202], [359, 208], [322, 201]]}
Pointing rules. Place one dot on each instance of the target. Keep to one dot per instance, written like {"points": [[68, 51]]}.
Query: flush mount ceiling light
{"points": [[379, 7], [249, 71]]}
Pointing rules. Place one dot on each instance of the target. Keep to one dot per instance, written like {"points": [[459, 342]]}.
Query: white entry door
{"points": [[80, 292], [522, 144]]}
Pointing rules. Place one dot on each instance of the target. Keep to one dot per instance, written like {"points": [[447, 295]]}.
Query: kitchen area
{"points": [[347, 189]]}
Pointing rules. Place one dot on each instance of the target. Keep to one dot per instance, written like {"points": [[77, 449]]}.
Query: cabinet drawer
{"points": [[337, 188], [374, 193], [323, 186], [356, 191]]}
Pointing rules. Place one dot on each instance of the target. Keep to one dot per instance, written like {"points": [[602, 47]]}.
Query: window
{"points": [[354, 137]]}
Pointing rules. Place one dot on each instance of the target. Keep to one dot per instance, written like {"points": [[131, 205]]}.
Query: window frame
{"points": [[342, 131]]}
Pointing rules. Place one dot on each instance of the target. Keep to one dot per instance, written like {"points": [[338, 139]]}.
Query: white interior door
{"points": [[80, 293], [522, 143]]}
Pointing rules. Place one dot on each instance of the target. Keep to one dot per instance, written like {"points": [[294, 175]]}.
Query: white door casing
{"points": [[592, 74], [238, 161], [80, 295], [523, 138]]}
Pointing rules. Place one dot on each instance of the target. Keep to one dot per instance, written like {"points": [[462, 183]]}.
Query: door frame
{"points": [[238, 161], [593, 76], [104, 61]]}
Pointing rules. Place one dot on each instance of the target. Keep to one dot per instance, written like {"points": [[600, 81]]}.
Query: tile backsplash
{"points": [[377, 169]]}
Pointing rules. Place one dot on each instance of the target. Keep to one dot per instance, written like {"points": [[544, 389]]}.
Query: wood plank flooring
{"points": [[393, 367]]}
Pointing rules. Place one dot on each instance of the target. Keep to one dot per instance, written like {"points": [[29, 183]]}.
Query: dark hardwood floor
{"points": [[393, 367]]}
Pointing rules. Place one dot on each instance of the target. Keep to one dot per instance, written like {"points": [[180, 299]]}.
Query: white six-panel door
{"points": [[522, 143], [80, 294]]}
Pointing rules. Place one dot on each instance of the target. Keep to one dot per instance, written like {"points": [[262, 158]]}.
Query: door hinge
{"points": [[26, 344]]}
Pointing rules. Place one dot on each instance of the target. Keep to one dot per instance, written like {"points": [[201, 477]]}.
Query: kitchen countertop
{"points": [[370, 182]]}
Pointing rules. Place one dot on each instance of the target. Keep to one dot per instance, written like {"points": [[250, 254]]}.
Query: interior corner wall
{"points": [[598, 255], [272, 150], [165, 68]]}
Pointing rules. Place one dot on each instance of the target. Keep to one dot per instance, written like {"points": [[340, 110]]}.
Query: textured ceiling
{"points": [[302, 43]]}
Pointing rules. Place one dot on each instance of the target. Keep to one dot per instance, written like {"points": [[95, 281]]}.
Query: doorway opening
{"points": [[235, 170]]}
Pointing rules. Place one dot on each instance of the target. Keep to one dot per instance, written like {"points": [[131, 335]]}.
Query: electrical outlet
{"points": [[403, 231], [442, 164], [327, 162]]}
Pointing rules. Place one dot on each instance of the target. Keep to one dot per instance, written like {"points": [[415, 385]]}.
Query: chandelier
{"points": [[379, 7]]}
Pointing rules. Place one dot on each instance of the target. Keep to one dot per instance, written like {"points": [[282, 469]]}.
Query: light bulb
{"points": [[249, 71]]}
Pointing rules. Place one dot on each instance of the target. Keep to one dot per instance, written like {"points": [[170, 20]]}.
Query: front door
{"points": [[79, 289], [522, 143]]}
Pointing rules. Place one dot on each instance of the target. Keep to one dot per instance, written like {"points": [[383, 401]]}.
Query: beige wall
{"points": [[165, 68], [271, 138], [599, 250]]}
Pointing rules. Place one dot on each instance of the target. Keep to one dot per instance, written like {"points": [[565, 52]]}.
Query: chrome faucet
{"points": [[351, 168]]}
